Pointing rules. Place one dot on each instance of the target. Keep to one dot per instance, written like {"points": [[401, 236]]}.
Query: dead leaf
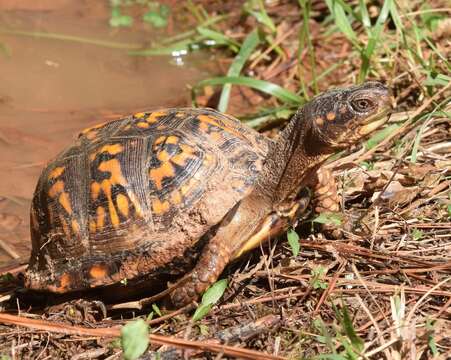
{"points": [[396, 194]]}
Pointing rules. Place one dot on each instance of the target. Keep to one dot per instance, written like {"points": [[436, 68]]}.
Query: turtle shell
{"points": [[135, 196]]}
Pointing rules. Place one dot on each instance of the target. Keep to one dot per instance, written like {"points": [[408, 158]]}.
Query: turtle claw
{"points": [[79, 311], [183, 296]]}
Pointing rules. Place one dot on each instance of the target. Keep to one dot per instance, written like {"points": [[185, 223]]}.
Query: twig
{"points": [[115, 332]]}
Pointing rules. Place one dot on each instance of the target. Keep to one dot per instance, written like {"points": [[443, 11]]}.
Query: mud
{"points": [[52, 89]]}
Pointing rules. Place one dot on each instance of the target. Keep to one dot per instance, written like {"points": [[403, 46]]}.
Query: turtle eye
{"points": [[362, 104]]}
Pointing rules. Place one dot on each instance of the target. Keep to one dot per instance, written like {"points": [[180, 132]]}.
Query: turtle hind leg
{"points": [[229, 243], [214, 258]]}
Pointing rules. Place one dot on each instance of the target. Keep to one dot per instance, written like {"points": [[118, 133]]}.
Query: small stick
{"points": [[154, 339], [9, 249]]}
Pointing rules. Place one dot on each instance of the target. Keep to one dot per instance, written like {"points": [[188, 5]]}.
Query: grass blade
{"points": [[374, 39], [180, 46], [264, 86], [380, 135], [77, 39], [342, 21], [261, 14], [219, 38], [249, 45]]}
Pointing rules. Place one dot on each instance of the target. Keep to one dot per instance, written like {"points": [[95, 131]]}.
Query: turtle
{"points": [[181, 192]]}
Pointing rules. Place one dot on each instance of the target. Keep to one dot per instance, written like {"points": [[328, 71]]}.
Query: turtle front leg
{"points": [[325, 192], [326, 198], [211, 264]]}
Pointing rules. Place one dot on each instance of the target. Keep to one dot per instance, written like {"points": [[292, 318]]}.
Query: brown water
{"points": [[50, 90]]}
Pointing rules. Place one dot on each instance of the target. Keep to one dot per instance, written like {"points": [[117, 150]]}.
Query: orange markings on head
{"points": [[65, 202], [157, 175], [98, 272], [319, 121], [330, 116], [142, 125], [153, 117], [56, 172], [75, 226], [100, 212], [122, 204], [159, 207]]}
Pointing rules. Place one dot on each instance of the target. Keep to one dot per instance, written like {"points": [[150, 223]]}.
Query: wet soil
{"points": [[51, 89]]}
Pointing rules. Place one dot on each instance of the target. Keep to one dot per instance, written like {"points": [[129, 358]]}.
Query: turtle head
{"points": [[340, 118]]}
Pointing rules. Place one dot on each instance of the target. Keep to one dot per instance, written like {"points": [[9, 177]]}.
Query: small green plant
{"points": [[317, 280], [341, 340], [158, 15], [417, 234], [203, 329], [134, 339], [329, 218], [8, 277], [156, 309], [210, 297], [293, 240], [367, 165], [431, 341], [117, 19]]}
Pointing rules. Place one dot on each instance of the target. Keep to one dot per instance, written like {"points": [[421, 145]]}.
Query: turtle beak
{"points": [[386, 104]]}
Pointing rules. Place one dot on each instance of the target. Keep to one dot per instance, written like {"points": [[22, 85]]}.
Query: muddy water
{"points": [[50, 90]]}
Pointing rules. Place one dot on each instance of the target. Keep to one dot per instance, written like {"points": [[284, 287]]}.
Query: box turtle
{"points": [[181, 192]]}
